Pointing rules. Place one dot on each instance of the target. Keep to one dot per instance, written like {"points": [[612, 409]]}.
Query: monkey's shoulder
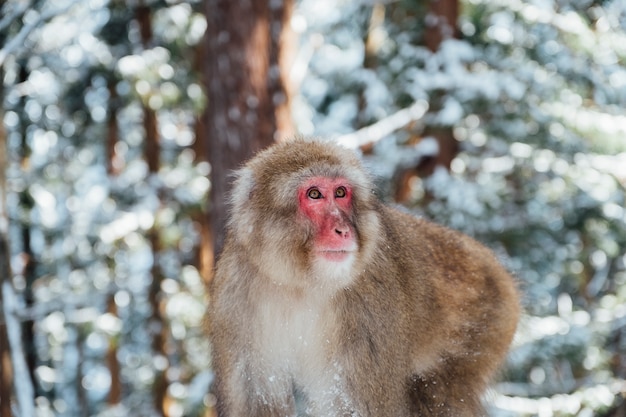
{"points": [[432, 244], [409, 229]]}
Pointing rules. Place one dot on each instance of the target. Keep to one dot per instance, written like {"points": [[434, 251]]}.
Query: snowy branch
{"points": [[41, 310], [11, 15], [384, 127], [18, 40], [24, 391]]}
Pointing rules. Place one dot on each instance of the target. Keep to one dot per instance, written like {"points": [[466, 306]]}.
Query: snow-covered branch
{"points": [[12, 13], [24, 391], [18, 40], [377, 131]]}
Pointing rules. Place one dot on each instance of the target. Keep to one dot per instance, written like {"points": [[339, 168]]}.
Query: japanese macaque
{"points": [[325, 302]]}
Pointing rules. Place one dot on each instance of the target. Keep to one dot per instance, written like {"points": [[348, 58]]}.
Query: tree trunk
{"points": [[27, 203], [204, 253], [440, 24], [6, 370], [446, 14], [152, 153], [247, 91], [113, 160], [113, 168]]}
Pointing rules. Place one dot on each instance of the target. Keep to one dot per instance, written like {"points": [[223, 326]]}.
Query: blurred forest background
{"points": [[505, 119]]}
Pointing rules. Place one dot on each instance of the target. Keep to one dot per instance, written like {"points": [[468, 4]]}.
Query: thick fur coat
{"points": [[416, 327]]}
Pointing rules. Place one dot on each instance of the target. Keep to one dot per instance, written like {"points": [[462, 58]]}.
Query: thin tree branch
{"points": [[18, 10], [24, 392], [375, 132]]}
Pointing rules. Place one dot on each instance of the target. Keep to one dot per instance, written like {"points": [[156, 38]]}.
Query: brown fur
{"points": [[418, 329]]}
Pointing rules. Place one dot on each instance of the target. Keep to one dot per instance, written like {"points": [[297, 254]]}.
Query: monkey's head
{"points": [[305, 212]]}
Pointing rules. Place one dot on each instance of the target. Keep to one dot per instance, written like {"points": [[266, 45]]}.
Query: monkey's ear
{"points": [[243, 186], [241, 222]]}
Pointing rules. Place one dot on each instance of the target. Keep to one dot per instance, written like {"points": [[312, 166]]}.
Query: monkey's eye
{"points": [[340, 192], [314, 193]]}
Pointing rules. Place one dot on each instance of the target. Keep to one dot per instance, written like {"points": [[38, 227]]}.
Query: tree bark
{"points": [[27, 203], [247, 89], [113, 160], [440, 23], [113, 167], [204, 253], [152, 152], [446, 14], [6, 370]]}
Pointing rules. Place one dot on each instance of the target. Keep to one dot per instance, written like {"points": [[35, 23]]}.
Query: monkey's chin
{"points": [[333, 269]]}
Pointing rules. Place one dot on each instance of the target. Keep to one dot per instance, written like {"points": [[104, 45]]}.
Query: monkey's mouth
{"points": [[336, 255]]}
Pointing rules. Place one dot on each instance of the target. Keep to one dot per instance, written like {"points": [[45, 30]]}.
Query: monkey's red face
{"points": [[327, 203]]}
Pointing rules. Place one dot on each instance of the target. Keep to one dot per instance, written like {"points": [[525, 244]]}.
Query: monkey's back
{"points": [[462, 306]]}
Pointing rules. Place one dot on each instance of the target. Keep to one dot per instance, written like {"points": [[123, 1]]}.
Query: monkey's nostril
{"points": [[342, 232]]}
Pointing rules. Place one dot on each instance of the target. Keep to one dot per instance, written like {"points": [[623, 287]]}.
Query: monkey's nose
{"points": [[342, 231]]}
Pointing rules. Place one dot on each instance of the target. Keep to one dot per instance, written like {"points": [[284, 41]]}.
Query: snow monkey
{"points": [[326, 302]]}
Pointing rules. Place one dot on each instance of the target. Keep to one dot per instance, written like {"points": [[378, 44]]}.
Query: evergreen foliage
{"points": [[534, 93]]}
